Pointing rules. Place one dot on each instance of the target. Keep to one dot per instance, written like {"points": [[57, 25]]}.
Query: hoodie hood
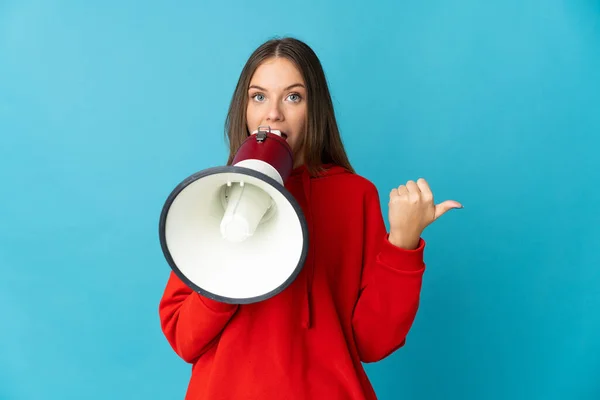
{"points": [[301, 179]]}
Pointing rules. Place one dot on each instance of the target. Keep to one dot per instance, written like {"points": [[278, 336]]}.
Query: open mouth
{"points": [[284, 135]]}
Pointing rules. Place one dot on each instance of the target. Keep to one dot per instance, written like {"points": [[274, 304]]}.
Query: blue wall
{"points": [[105, 107]]}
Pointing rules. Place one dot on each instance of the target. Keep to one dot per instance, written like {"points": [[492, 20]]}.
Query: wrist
{"points": [[407, 243]]}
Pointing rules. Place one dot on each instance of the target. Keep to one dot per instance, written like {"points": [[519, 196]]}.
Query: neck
{"points": [[298, 161]]}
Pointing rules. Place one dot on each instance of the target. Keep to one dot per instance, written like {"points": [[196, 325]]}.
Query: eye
{"points": [[294, 97], [258, 97]]}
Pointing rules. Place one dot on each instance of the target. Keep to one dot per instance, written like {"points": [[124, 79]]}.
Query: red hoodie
{"points": [[354, 301]]}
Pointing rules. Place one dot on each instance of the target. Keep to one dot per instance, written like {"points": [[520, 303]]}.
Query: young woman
{"points": [[358, 292]]}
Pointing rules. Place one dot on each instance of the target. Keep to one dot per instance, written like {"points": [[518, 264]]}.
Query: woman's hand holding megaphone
{"points": [[411, 210]]}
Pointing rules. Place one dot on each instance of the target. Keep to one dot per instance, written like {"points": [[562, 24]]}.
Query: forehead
{"points": [[276, 73]]}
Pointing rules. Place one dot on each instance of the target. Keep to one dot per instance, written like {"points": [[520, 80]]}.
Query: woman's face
{"points": [[277, 98]]}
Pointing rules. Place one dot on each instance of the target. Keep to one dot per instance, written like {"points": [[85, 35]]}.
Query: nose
{"points": [[275, 113]]}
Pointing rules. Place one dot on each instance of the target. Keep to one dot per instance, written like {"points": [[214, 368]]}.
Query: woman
{"points": [[358, 293]]}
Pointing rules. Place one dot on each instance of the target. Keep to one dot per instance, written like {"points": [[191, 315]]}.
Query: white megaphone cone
{"points": [[234, 233]]}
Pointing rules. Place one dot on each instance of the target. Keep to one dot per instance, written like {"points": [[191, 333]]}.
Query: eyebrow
{"points": [[287, 88]]}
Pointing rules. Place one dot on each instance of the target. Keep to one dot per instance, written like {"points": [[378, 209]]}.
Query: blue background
{"points": [[105, 107]]}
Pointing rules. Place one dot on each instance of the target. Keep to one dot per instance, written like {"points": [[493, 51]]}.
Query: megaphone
{"points": [[234, 233]]}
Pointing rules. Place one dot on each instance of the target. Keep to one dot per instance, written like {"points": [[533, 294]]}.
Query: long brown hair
{"points": [[322, 143]]}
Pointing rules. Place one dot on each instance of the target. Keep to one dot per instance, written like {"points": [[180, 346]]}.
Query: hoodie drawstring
{"points": [[310, 260]]}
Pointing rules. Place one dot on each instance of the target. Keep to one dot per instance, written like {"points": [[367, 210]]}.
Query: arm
{"points": [[390, 288], [191, 322]]}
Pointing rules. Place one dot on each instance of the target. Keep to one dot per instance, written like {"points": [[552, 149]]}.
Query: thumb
{"points": [[446, 206]]}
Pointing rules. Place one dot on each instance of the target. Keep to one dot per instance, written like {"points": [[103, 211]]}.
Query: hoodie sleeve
{"points": [[191, 322], [390, 288]]}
